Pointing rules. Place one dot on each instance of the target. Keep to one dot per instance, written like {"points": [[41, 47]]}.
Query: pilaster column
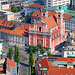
{"points": [[45, 41], [50, 41]]}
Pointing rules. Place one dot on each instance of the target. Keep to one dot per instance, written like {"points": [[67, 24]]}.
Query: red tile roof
{"points": [[6, 23], [66, 16], [34, 6], [51, 22], [37, 14], [10, 63], [55, 70], [21, 30]]}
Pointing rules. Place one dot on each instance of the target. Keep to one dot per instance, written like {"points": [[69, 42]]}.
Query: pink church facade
{"points": [[49, 32]]}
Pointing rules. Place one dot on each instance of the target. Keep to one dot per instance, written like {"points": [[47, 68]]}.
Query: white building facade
{"points": [[51, 3], [20, 41], [70, 24], [4, 4], [30, 10], [1, 47], [33, 7]]}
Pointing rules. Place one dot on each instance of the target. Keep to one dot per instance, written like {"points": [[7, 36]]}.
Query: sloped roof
{"points": [[66, 16], [37, 14], [10, 63], [6, 23], [35, 5], [21, 30], [55, 70], [51, 22]]}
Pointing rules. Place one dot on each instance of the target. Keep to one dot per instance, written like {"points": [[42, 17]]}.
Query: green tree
{"points": [[31, 48], [47, 48], [27, 19], [14, 9], [10, 53], [31, 60], [16, 55], [48, 54], [39, 46]]}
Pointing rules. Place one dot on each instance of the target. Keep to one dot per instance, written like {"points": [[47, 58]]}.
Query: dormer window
{"points": [[40, 29]]}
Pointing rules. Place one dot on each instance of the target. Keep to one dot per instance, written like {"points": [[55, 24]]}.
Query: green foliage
{"points": [[31, 60], [41, 52], [72, 9], [33, 73], [16, 55], [10, 53], [32, 48], [39, 46], [48, 54], [16, 9], [47, 48], [21, 17], [27, 19]]}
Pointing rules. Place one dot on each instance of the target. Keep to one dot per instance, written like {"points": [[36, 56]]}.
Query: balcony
{"points": [[39, 32]]}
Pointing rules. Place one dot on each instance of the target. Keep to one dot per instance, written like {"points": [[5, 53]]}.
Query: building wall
{"points": [[29, 10], [10, 17], [70, 24], [20, 41], [2, 61], [65, 53], [69, 66], [50, 3], [13, 70], [5, 6], [48, 38], [1, 47], [8, 73]]}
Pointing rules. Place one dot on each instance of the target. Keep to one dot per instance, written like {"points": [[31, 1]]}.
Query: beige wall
{"points": [[10, 17], [2, 61], [5, 6], [68, 66]]}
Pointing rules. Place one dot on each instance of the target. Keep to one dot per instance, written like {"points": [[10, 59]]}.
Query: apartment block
{"points": [[4, 5], [52, 3]]}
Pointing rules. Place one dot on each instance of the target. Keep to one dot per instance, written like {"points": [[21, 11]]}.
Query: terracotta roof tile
{"points": [[37, 14], [6, 23], [50, 22], [10, 63], [21, 30], [35, 6], [67, 16], [55, 70]]}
